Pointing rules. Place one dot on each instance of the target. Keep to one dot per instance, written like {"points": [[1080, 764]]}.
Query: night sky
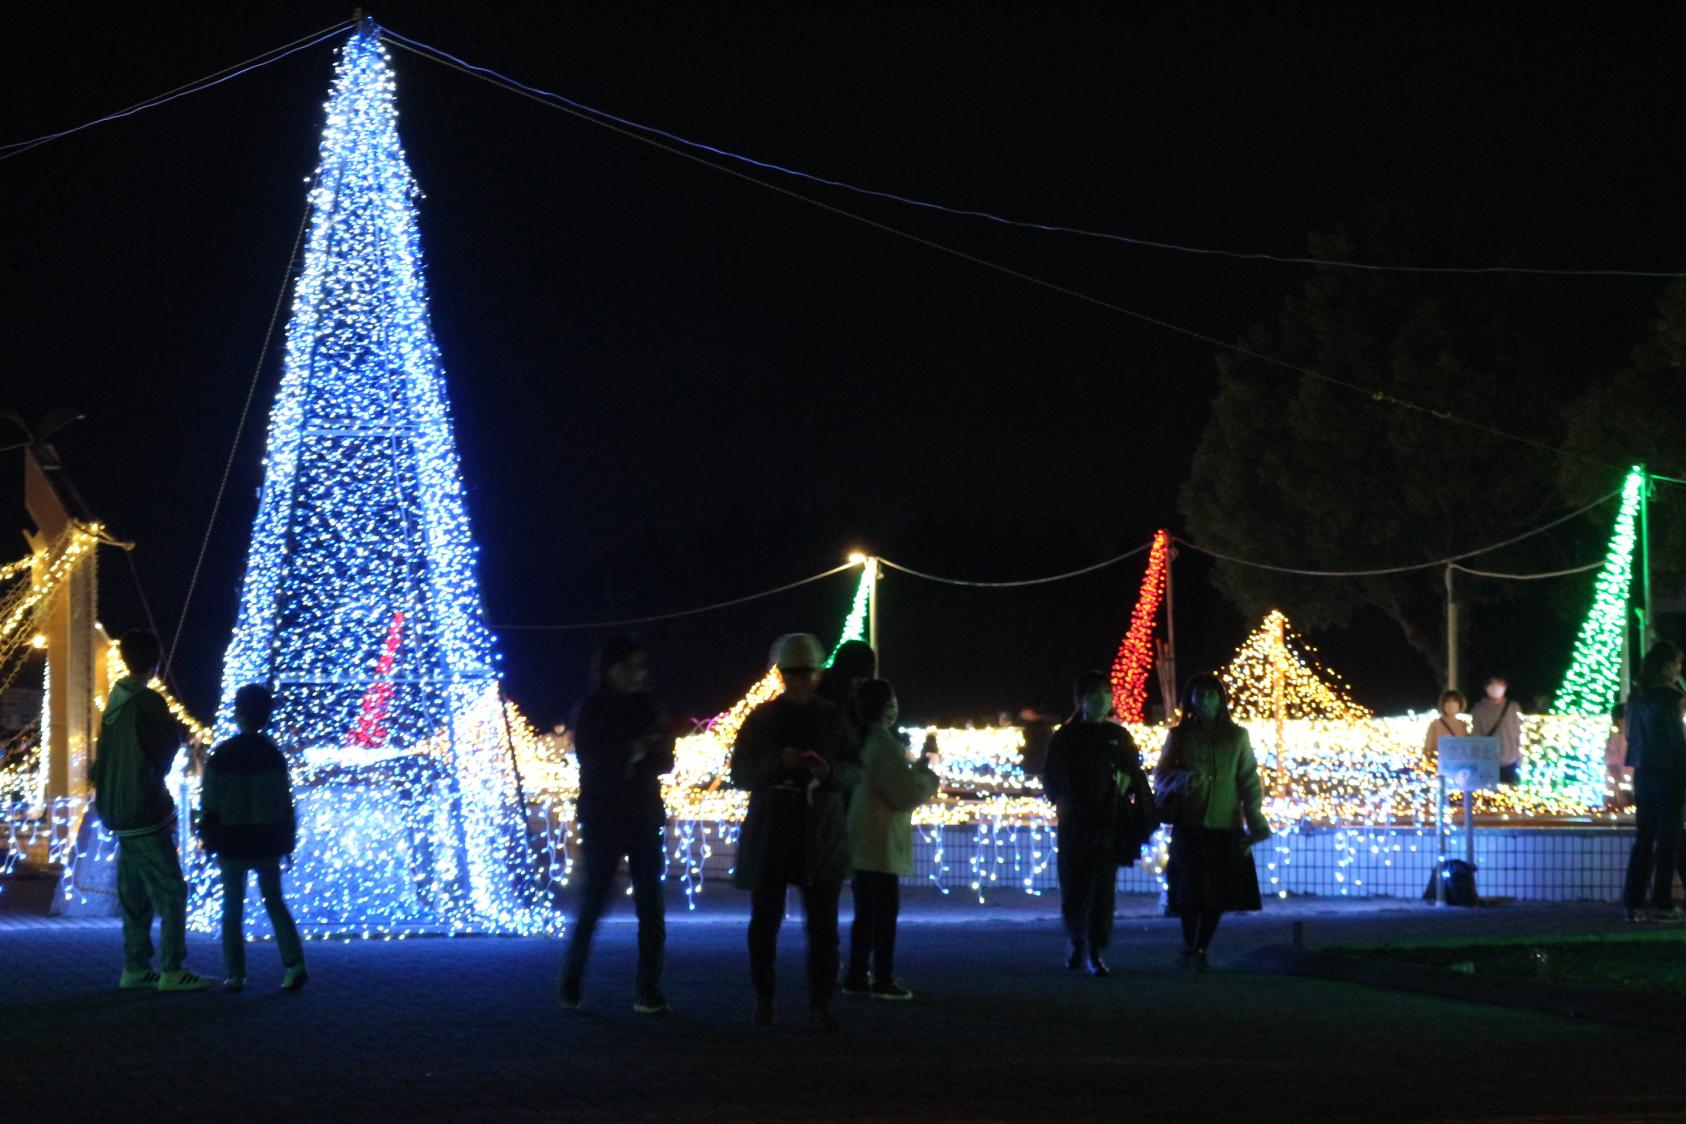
{"points": [[673, 387]]}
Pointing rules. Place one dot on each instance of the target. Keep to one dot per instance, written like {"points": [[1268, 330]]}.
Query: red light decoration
{"points": [[1134, 662], [370, 731]]}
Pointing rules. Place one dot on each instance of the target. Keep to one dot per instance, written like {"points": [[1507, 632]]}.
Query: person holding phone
{"points": [[881, 839], [794, 756]]}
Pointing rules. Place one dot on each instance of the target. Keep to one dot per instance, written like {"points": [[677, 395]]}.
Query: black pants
{"points": [[878, 901], [1657, 804], [1088, 892], [819, 918], [601, 849]]}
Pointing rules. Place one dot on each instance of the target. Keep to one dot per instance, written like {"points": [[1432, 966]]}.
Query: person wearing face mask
{"points": [[1499, 717], [795, 757], [1207, 782], [1446, 724], [1088, 758], [881, 839]]}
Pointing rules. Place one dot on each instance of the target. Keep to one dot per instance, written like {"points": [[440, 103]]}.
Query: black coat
{"points": [[794, 830], [1080, 776], [609, 729]]}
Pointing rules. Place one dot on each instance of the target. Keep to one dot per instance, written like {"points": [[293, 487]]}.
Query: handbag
{"points": [[1134, 814], [1168, 801]]}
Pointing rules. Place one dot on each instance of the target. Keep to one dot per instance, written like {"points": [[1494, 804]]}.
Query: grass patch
{"points": [[1653, 961]]}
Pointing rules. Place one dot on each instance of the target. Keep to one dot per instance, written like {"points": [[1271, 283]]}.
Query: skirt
{"points": [[1210, 872]]}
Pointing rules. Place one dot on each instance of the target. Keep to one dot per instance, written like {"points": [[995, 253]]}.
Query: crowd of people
{"points": [[832, 788]]}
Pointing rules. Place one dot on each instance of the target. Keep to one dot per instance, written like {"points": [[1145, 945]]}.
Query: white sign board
{"points": [[1469, 764]]}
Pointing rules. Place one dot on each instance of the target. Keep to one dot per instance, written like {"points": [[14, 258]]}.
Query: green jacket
{"points": [[137, 744], [881, 811], [796, 828], [1215, 778]]}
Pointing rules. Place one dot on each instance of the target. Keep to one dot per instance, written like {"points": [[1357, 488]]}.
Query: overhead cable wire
{"points": [[674, 616], [1002, 220], [1372, 393], [1387, 570], [17, 148], [1527, 577], [1113, 561], [1101, 565], [151, 621], [239, 435]]}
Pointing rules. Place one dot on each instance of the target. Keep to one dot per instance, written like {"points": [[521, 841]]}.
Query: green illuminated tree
{"points": [[1594, 680]]}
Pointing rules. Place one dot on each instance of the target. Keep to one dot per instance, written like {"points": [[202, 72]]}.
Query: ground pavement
{"points": [[469, 1029]]}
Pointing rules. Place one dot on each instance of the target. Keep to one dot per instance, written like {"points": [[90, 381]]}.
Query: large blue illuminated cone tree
{"points": [[360, 606]]}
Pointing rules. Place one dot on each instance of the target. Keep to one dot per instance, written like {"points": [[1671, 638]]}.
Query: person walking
{"points": [[624, 744], [138, 742], [794, 756], [1207, 783], [246, 819], [1656, 748], [1087, 758], [881, 841]]}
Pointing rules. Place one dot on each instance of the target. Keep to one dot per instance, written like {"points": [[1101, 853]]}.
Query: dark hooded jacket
{"points": [[137, 743], [796, 828], [246, 801]]}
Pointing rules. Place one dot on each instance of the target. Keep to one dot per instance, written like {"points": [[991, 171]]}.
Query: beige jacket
{"points": [[1217, 778]]}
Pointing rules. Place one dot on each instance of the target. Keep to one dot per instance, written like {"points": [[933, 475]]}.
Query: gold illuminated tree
{"points": [[1275, 676]]}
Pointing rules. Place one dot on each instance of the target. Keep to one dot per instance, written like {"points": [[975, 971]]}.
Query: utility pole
{"points": [[1279, 697], [1451, 633], [1647, 633], [871, 575], [1171, 623]]}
